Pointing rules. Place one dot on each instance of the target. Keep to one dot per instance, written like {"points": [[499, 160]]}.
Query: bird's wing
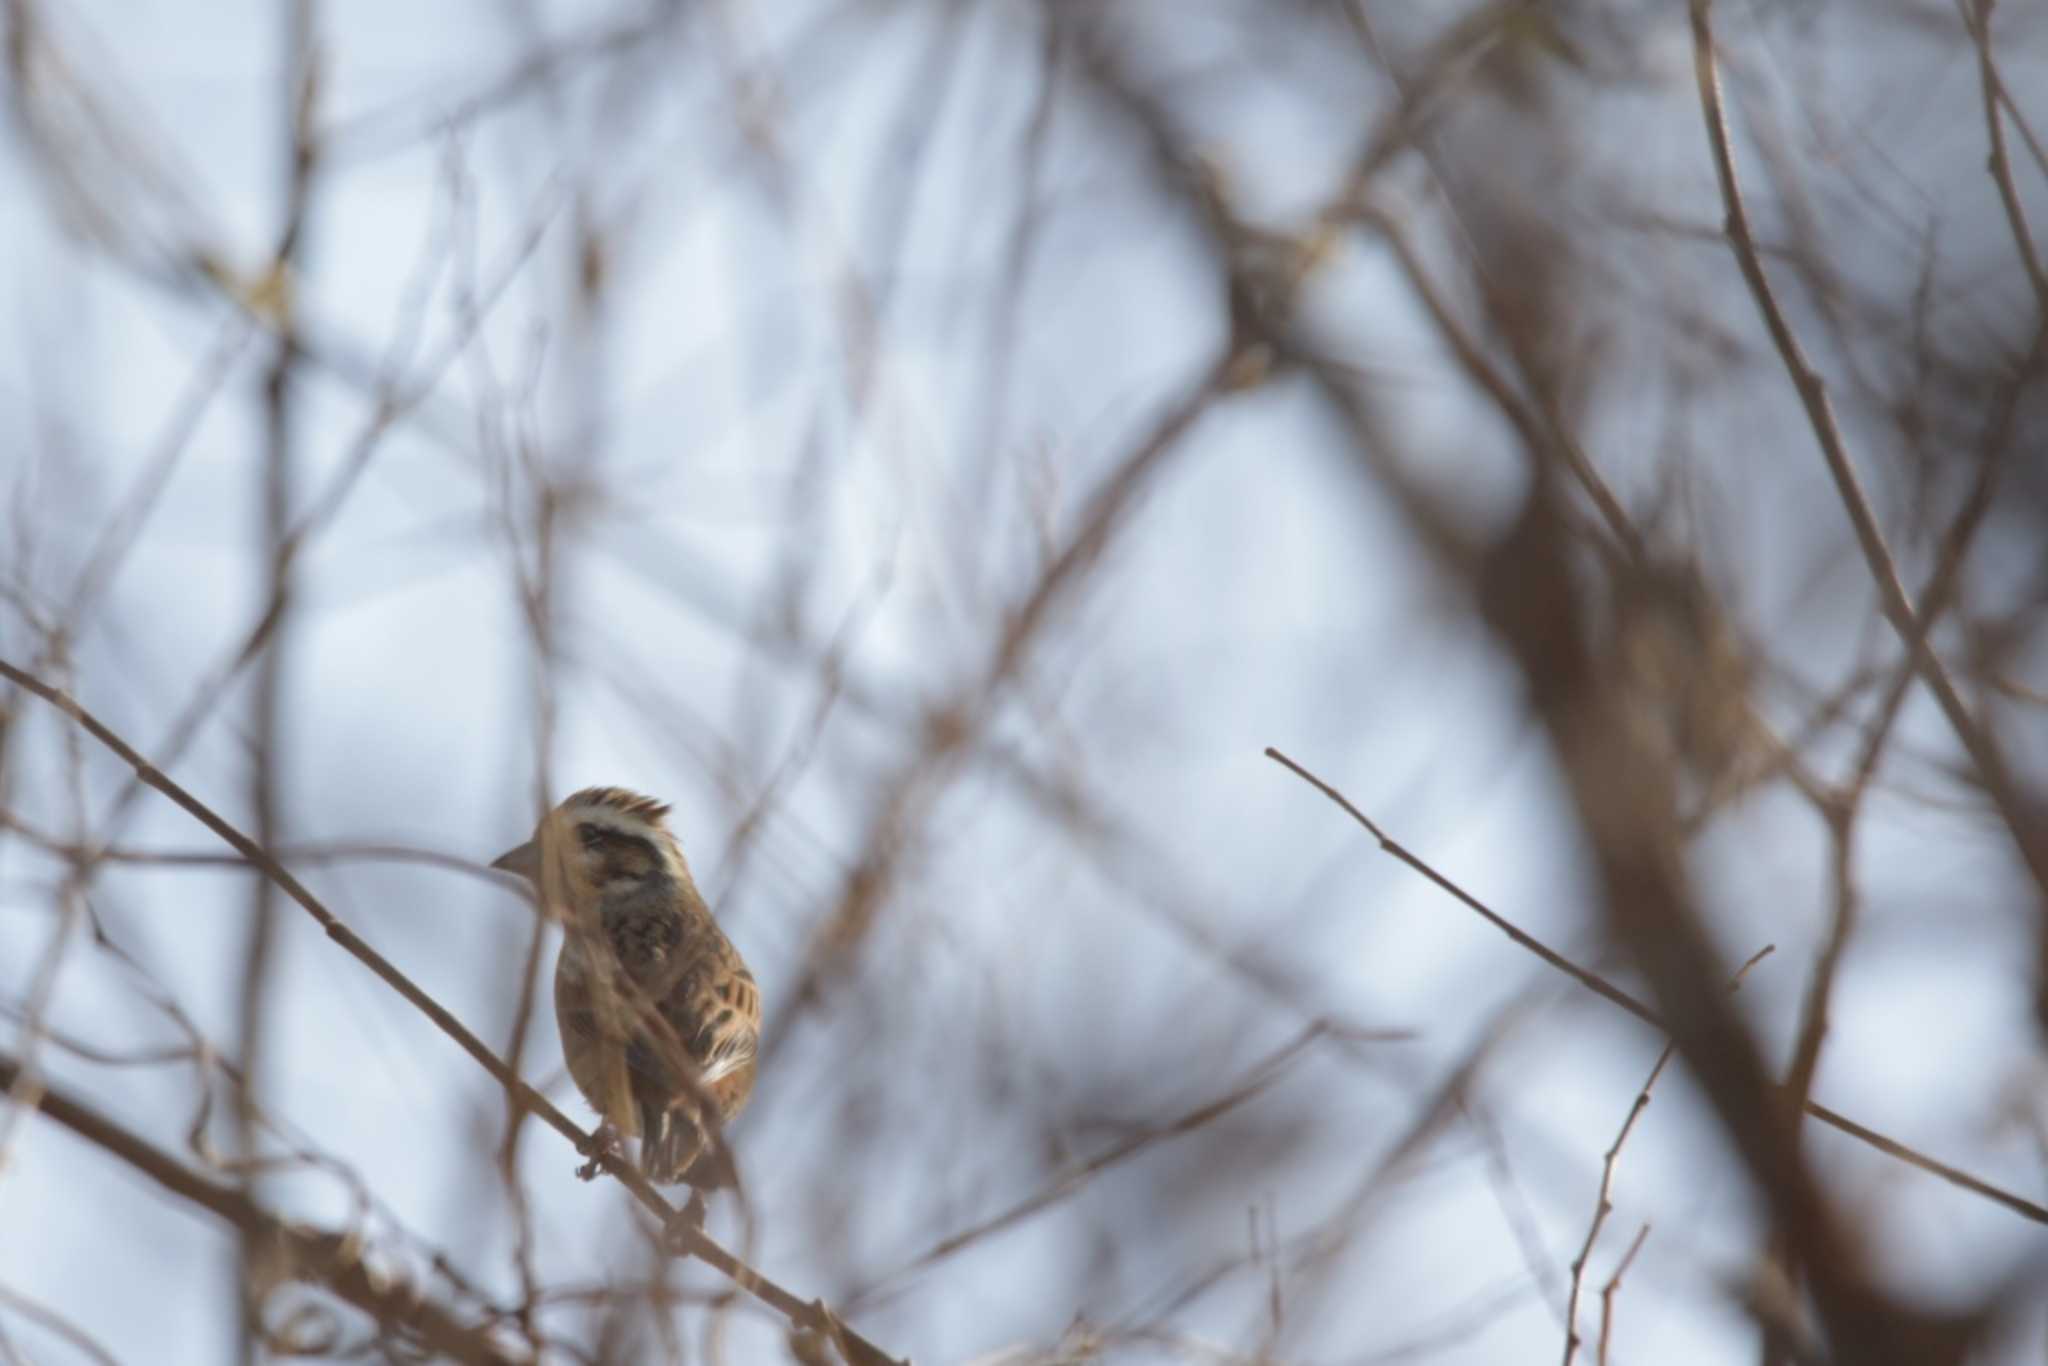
{"points": [[715, 1016], [731, 1050], [726, 1016]]}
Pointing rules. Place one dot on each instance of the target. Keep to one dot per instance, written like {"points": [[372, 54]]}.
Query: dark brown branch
{"points": [[333, 1260]]}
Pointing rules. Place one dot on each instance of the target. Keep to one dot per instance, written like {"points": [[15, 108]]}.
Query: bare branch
{"points": [[289, 1251]]}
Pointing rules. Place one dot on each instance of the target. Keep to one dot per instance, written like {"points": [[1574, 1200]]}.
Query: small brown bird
{"points": [[659, 1016]]}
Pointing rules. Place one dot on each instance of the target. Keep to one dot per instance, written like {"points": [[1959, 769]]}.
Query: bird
{"points": [[659, 1016]]}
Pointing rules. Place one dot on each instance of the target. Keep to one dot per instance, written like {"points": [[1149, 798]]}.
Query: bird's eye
{"points": [[593, 836]]}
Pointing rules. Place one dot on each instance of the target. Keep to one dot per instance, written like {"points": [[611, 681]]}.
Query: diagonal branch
{"points": [[334, 1260], [954, 726], [1074, 1175], [1976, 15], [2018, 813], [680, 1232], [1600, 986]]}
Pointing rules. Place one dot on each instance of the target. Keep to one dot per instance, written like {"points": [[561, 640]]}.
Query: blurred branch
{"points": [[1976, 16], [2019, 813], [122, 531], [281, 458], [284, 1251], [1600, 986], [678, 1231], [392, 397], [395, 127], [1841, 806], [954, 726], [289, 853], [1537, 419], [56, 1323], [1624, 796], [1076, 1175], [73, 911], [1318, 1266]]}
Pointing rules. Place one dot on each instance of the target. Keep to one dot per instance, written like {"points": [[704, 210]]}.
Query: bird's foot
{"points": [[602, 1143]]}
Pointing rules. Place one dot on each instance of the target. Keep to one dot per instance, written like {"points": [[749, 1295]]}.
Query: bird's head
{"points": [[601, 840]]}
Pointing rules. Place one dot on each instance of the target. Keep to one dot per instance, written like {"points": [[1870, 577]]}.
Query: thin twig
{"points": [[1608, 1290], [1979, 26], [1585, 977], [1603, 1204], [1600, 986], [1075, 1175]]}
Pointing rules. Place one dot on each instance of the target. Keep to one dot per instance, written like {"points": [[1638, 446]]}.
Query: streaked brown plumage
{"points": [[658, 1014]]}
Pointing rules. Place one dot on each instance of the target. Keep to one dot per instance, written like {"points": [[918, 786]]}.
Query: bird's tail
{"points": [[670, 1139], [674, 1148]]}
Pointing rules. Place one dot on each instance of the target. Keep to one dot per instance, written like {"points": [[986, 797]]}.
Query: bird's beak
{"points": [[524, 860]]}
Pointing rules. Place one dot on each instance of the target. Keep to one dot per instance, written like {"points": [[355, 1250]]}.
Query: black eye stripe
{"points": [[602, 838]]}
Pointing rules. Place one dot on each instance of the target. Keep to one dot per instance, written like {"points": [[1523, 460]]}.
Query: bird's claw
{"points": [[601, 1144]]}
